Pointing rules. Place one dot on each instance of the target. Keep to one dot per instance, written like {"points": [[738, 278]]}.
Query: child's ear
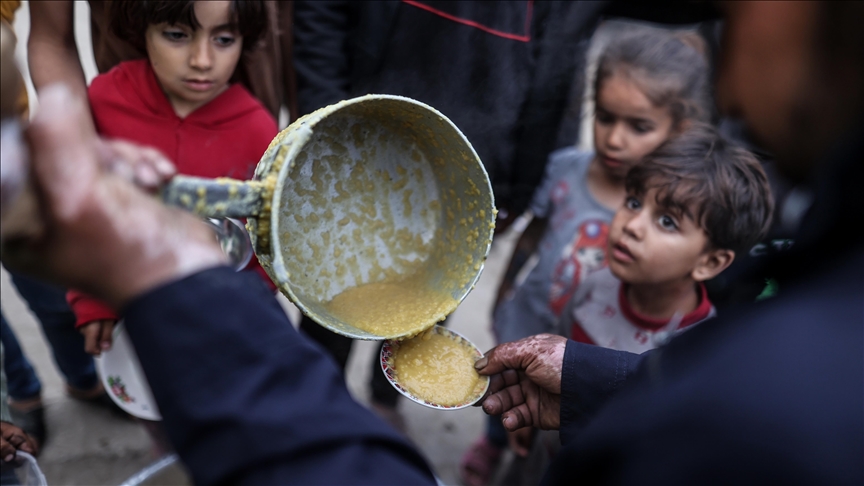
{"points": [[711, 263]]}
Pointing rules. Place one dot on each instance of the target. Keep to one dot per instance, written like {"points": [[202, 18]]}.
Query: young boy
{"points": [[691, 206], [182, 101]]}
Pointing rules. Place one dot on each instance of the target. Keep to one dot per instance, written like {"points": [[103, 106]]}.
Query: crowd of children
{"points": [[622, 238]]}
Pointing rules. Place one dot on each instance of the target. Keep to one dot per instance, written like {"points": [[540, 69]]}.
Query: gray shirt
{"points": [[573, 246]]}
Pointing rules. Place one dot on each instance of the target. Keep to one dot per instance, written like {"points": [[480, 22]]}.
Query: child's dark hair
{"points": [[670, 68], [716, 183], [130, 19]]}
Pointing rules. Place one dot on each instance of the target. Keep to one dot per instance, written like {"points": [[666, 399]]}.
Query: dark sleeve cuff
{"points": [[590, 376]]}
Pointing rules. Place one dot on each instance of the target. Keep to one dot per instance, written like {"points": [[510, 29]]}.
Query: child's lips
{"points": [[198, 84], [622, 254], [612, 163]]}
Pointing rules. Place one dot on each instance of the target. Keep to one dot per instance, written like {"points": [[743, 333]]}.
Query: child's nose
{"points": [[635, 226], [202, 56], [615, 139]]}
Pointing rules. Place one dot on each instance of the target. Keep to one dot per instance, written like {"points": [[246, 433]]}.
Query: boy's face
{"points": [[651, 244], [627, 126], [194, 66]]}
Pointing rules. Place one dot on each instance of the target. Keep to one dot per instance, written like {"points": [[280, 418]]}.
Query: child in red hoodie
{"points": [[181, 101]]}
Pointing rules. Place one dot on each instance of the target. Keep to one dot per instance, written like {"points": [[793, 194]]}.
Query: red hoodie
{"points": [[224, 138]]}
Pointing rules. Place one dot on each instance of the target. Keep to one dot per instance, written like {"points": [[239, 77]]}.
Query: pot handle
{"points": [[214, 198]]}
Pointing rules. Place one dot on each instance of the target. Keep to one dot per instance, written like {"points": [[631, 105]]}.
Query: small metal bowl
{"points": [[387, 359]]}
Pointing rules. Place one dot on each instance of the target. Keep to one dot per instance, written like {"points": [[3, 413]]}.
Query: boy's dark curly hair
{"points": [[711, 180], [129, 19]]}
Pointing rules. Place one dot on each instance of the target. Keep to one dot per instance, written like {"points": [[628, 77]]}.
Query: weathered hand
{"points": [[12, 440], [102, 234], [525, 385]]}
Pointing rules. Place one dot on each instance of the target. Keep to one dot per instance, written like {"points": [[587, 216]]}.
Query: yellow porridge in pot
{"points": [[392, 307]]}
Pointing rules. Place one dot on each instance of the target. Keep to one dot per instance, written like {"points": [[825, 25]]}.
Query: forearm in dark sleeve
{"points": [[591, 375], [246, 399], [321, 55]]}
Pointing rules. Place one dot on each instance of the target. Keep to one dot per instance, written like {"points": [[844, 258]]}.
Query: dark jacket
{"points": [[505, 80]]}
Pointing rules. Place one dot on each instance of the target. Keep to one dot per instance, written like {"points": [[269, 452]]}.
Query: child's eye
{"points": [[642, 128], [225, 40], [632, 203], [668, 223], [174, 35], [603, 117]]}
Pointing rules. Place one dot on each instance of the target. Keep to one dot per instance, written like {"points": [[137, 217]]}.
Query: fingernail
{"points": [[508, 422], [146, 176], [165, 167], [481, 363], [106, 345], [9, 458]]}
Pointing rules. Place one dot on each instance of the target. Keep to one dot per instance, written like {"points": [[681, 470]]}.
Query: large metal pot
{"points": [[357, 192]]}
